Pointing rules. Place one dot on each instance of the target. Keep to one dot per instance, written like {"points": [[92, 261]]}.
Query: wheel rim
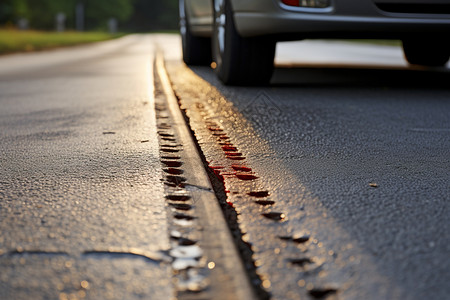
{"points": [[219, 35]]}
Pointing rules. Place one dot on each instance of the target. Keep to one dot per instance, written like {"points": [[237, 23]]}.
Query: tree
{"points": [[99, 11], [12, 10], [154, 15], [41, 13]]}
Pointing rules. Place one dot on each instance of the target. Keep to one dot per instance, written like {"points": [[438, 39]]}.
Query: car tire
{"points": [[426, 52], [239, 60], [196, 50]]}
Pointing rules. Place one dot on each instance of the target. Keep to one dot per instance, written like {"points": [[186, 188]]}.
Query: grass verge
{"points": [[26, 41]]}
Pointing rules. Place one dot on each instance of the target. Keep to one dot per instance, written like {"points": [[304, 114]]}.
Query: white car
{"points": [[239, 36]]}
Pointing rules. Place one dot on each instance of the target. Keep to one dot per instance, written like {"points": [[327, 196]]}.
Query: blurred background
{"points": [[31, 25], [89, 15]]}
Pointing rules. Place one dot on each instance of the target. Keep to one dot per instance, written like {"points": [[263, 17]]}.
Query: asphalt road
{"points": [[82, 212], [338, 172], [351, 149]]}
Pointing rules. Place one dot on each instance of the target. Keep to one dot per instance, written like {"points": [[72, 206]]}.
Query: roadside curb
{"points": [[227, 279]]}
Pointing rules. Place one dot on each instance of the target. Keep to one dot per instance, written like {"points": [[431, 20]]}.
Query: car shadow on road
{"points": [[360, 76]]}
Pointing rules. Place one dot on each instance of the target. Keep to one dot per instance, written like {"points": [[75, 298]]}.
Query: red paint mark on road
{"points": [[235, 157], [219, 134], [241, 168], [246, 176], [233, 153], [229, 148], [216, 167], [211, 128], [228, 174]]}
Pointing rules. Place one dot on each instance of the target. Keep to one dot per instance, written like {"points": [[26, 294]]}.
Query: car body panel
{"points": [[344, 18], [413, 1], [200, 14]]}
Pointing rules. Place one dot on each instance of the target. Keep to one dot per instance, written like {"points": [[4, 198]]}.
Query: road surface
{"points": [[348, 156], [333, 179]]}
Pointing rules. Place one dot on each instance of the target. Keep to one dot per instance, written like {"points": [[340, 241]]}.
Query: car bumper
{"points": [[345, 18]]}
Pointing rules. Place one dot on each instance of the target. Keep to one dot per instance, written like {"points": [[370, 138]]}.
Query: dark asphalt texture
{"points": [[82, 209], [367, 147], [356, 157]]}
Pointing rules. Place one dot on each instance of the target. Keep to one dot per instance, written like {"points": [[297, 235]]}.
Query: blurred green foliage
{"points": [[133, 15], [28, 40]]}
